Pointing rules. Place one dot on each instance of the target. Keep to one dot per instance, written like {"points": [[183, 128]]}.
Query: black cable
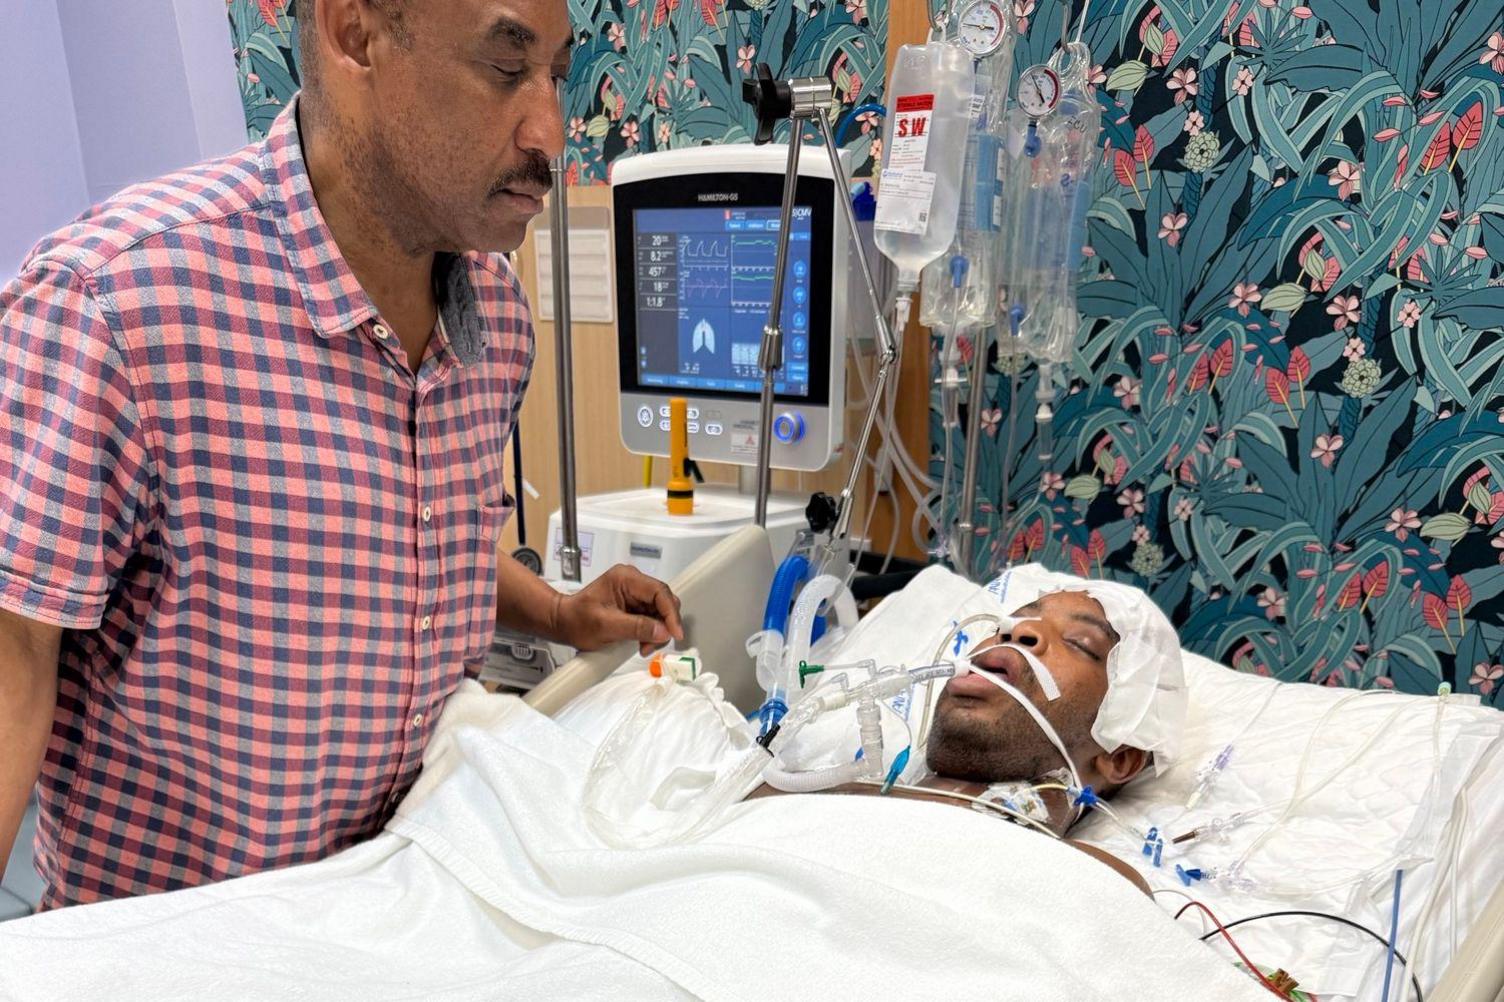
{"points": [[1414, 981], [517, 488]]}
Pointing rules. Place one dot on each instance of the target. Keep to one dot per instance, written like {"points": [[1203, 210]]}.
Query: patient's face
{"points": [[981, 733]]}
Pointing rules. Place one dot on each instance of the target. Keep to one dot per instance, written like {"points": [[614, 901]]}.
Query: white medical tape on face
{"points": [[1039, 718], [1041, 673]]}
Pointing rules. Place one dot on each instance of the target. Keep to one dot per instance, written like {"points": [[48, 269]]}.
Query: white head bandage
{"points": [[1145, 704]]}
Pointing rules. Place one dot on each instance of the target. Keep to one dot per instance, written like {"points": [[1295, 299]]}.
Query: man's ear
{"points": [[1120, 766]]}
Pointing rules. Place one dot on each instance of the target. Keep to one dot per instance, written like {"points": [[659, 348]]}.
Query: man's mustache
{"points": [[534, 173]]}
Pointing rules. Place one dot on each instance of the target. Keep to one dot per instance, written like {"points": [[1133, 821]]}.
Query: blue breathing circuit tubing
{"points": [[1394, 931]]}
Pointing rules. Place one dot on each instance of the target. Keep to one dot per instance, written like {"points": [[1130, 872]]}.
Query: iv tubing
{"points": [[953, 795], [929, 703], [1394, 932]]}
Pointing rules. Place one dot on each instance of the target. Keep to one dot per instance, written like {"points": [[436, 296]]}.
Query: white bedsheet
{"points": [[1388, 801], [488, 885]]}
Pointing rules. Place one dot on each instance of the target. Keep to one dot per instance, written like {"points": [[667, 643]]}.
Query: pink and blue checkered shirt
{"points": [[272, 546]]}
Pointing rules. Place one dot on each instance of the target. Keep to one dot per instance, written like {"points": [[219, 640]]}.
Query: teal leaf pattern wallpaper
{"points": [[647, 74], [1285, 416]]}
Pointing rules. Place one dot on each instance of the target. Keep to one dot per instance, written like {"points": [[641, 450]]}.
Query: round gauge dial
{"points": [[1038, 90], [984, 25]]}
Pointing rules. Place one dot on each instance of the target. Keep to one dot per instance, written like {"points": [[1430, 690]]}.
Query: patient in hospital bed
{"points": [[1062, 653]]}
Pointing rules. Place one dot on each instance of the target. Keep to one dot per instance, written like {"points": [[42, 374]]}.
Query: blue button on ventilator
{"points": [[788, 428]]}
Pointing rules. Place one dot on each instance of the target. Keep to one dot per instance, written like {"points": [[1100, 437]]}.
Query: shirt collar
{"points": [[333, 298]]}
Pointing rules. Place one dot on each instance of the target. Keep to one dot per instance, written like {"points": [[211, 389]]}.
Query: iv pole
{"points": [[558, 228], [800, 100]]}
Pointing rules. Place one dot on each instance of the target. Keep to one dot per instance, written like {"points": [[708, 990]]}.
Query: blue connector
{"points": [[1086, 797], [959, 266], [771, 713], [896, 770], [1187, 876]]}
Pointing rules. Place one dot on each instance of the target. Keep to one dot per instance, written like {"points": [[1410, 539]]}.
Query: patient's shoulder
{"points": [[1117, 864]]}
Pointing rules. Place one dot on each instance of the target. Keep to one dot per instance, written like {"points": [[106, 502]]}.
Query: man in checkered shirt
{"points": [[251, 488]]}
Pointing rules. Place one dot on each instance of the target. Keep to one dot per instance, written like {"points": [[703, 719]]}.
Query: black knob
{"points": [[771, 100], [821, 513]]}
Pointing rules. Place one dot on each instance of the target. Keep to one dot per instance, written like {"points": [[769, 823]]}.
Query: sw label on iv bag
{"points": [[911, 131], [904, 202]]}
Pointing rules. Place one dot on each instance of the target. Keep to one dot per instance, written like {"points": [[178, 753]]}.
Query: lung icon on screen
{"points": [[704, 338]]}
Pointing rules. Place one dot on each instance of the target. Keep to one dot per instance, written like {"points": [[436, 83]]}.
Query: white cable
{"points": [[953, 795], [1296, 798], [923, 733]]}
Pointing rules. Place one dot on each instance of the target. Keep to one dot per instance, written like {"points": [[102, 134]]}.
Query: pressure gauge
{"points": [[984, 25], [1038, 91]]}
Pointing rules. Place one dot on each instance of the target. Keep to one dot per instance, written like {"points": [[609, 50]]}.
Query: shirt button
{"points": [[417, 720], [427, 622], [427, 513], [381, 331]]}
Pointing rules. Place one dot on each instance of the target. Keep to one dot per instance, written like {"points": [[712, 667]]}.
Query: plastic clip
{"points": [[1154, 847], [806, 669], [1188, 876], [1085, 797]]}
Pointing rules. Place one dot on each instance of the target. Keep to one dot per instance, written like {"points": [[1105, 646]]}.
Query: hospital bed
{"points": [[723, 595]]}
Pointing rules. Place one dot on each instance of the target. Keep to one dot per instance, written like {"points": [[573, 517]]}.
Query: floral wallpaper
{"points": [[647, 74], [1285, 417]]}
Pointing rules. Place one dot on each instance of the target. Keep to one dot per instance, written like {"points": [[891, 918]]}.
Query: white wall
{"points": [[41, 169], [105, 94]]}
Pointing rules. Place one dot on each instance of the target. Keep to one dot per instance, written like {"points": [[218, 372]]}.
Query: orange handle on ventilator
{"points": [[681, 489]]}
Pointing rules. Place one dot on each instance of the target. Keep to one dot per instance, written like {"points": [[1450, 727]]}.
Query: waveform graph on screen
{"points": [[754, 258], [704, 268]]}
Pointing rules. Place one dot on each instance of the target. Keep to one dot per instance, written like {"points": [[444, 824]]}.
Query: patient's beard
{"points": [[1005, 745]]}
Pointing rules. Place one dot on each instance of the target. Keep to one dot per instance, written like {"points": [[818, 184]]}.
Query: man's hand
{"points": [[621, 604]]}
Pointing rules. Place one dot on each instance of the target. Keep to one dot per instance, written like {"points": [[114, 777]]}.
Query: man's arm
{"points": [[28, 694], [621, 604]]}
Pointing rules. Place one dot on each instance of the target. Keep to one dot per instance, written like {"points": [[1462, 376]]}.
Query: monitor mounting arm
{"points": [[809, 99]]}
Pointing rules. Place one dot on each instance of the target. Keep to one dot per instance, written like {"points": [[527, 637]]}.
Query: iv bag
{"points": [[960, 287], [919, 189]]}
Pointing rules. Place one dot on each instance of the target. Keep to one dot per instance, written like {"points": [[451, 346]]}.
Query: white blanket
{"points": [[488, 885]]}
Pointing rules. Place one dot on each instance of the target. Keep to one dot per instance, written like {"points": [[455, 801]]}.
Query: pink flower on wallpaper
{"points": [[857, 9], [1493, 52], [1345, 177], [665, 133], [1183, 83], [1345, 309], [576, 128], [1170, 225], [617, 35], [1140, 533], [1244, 296], [1194, 123], [1409, 314], [990, 419], [1326, 449], [1127, 390], [1184, 508], [1498, 543], [1021, 11], [1355, 349], [868, 120], [1097, 76], [631, 132], [1273, 603], [1243, 82], [1132, 501], [1051, 484], [1486, 676]]}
